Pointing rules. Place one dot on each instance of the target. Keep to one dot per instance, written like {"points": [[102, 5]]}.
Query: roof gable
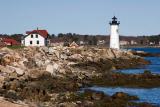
{"points": [[43, 33]]}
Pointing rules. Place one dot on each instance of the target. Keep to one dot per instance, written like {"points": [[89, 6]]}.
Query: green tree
{"points": [[86, 38], [53, 36], [17, 37], [94, 39], [60, 35]]}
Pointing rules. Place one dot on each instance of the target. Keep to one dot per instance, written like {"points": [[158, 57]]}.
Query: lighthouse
{"points": [[114, 36]]}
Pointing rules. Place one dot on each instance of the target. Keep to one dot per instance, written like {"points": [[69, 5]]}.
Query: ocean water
{"points": [[151, 50], [154, 67], [151, 95]]}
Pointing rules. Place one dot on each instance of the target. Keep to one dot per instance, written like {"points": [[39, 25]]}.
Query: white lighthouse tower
{"points": [[114, 37]]}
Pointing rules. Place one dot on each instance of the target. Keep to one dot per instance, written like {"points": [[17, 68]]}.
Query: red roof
{"points": [[9, 41], [43, 33]]}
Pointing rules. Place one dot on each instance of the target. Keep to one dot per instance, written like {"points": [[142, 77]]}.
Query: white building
{"points": [[114, 37], [133, 42], [123, 42], [36, 38], [101, 42]]}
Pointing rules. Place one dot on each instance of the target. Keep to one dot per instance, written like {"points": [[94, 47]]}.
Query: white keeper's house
{"points": [[36, 38]]}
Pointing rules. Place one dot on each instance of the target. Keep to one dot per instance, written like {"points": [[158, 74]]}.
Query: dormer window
{"points": [[36, 35], [31, 36]]}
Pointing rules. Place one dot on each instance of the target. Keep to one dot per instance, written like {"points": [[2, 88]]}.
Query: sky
{"points": [[137, 17]]}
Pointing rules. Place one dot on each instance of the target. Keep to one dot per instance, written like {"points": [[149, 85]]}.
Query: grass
{"points": [[15, 47]]}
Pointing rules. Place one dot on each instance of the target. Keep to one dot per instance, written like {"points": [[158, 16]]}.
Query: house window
{"points": [[36, 36], [37, 41], [31, 42], [31, 36]]}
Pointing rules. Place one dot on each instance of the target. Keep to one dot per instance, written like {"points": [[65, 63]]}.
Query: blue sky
{"points": [[138, 17]]}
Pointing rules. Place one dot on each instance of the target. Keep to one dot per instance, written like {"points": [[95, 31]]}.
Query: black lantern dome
{"points": [[114, 21]]}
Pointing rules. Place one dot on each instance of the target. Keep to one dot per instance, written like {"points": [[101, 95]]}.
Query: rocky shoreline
{"points": [[145, 54], [52, 76]]}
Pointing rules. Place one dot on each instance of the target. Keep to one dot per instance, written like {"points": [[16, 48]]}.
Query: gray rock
{"points": [[76, 57], [52, 68], [39, 63], [19, 71], [49, 68], [45, 49], [63, 56], [12, 95], [67, 104], [13, 75], [47, 62], [51, 50], [6, 69], [31, 63], [57, 53]]}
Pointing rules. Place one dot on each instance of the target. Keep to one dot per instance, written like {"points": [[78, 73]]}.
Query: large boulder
{"points": [[5, 103], [19, 71], [5, 49], [35, 73], [14, 84], [57, 53], [49, 68], [52, 68], [63, 56], [55, 66], [31, 63], [76, 57], [6, 69], [67, 104], [7, 59], [94, 95], [47, 61], [124, 96], [45, 49], [39, 62], [51, 50], [12, 76], [2, 78]]}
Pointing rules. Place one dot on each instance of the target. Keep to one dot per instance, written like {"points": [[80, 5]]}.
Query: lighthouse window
{"points": [[36, 36], [31, 36], [117, 31]]}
